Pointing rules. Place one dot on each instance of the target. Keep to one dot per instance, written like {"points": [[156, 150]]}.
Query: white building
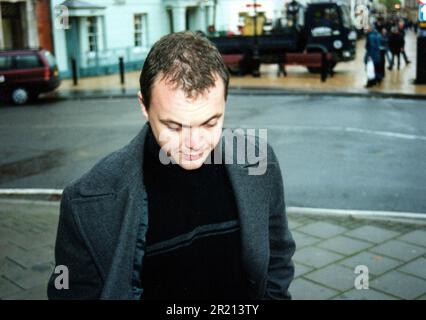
{"points": [[95, 33]]}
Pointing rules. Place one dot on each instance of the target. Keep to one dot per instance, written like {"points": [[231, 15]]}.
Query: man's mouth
{"points": [[192, 157]]}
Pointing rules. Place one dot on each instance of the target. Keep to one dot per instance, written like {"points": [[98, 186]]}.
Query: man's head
{"points": [[184, 85]]}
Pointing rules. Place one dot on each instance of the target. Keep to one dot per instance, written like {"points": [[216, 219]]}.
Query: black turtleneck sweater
{"points": [[193, 240]]}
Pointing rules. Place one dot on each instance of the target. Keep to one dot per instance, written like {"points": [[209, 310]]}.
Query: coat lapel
{"points": [[100, 227], [118, 284], [110, 222]]}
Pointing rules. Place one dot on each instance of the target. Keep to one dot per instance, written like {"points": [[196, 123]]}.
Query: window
{"points": [[5, 62], [326, 17], [92, 33], [140, 27], [27, 61]]}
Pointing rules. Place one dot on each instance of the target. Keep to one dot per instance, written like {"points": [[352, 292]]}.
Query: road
{"points": [[335, 152]]}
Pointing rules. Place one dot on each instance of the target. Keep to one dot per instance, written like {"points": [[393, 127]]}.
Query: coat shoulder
{"points": [[111, 172], [257, 140], [101, 178]]}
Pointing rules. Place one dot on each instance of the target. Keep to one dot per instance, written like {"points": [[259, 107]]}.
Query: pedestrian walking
{"points": [[385, 45], [372, 51], [395, 44], [402, 30], [384, 54]]}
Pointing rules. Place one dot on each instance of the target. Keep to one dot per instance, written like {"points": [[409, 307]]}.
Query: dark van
{"points": [[24, 74], [328, 28]]}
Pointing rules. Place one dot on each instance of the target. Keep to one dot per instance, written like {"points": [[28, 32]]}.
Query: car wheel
{"points": [[20, 96]]}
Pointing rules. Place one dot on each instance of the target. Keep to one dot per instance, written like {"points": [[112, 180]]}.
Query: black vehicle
{"points": [[328, 28], [319, 27]]}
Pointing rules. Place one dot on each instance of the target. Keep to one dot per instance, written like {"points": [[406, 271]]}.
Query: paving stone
{"points": [[376, 263], [399, 250], [316, 257], [8, 288], [33, 257], [9, 267], [372, 234], [334, 276], [301, 289], [416, 267], [37, 275], [417, 237], [30, 240], [400, 285], [322, 229], [303, 240], [344, 245], [293, 224], [5, 234], [36, 293], [7, 249], [364, 294], [300, 269]]}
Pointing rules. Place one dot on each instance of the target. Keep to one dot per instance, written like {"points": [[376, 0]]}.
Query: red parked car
{"points": [[24, 74]]}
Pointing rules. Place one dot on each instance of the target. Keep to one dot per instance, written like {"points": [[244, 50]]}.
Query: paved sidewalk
{"points": [[350, 77], [330, 248], [328, 251]]}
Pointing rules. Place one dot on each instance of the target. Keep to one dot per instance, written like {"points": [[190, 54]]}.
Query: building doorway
{"points": [[191, 19], [13, 25], [73, 44]]}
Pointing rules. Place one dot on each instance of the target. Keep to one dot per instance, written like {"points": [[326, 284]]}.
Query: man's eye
{"points": [[211, 124], [174, 128]]}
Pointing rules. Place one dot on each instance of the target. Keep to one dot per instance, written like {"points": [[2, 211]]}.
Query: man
{"points": [[396, 42], [402, 30], [372, 51], [156, 220]]}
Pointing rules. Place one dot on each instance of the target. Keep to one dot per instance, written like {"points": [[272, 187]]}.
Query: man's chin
{"points": [[191, 164]]}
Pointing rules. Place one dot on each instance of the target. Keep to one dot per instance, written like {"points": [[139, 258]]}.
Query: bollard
{"points": [[121, 67], [255, 71], [421, 63], [324, 66], [74, 71]]}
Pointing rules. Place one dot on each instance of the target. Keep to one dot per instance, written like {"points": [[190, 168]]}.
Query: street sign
{"points": [[422, 12]]}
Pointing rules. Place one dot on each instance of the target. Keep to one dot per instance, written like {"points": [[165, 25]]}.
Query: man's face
{"points": [[186, 129]]}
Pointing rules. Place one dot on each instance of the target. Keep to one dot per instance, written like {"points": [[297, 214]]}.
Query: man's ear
{"points": [[143, 108]]}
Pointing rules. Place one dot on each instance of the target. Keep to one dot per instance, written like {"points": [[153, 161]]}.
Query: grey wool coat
{"points": [[104, 218]]}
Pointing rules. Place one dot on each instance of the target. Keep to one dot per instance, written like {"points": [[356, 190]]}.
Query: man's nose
{"points": [[193, 138]]}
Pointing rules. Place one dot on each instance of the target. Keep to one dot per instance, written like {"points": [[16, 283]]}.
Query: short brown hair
{"points": [[188, 60]]}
